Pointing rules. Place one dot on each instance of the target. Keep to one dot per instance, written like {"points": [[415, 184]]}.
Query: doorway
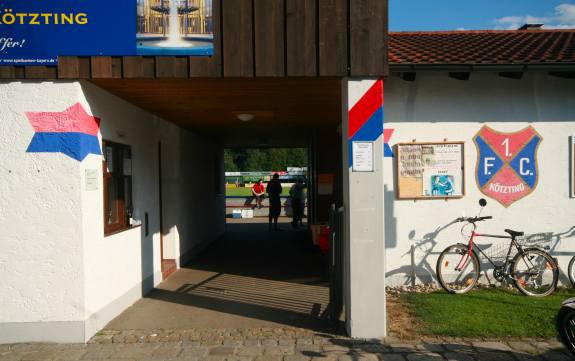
{"points": [[248, 276]]}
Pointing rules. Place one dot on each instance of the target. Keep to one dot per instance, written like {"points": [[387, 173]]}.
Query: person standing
{"points": [[297, 202], [258, 192], [274, 190]]}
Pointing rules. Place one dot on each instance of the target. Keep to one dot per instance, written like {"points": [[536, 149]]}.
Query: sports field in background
{"points": [[246, 192]]}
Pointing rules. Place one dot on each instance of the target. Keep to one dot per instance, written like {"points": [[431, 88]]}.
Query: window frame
{"points": [[124, 187]]}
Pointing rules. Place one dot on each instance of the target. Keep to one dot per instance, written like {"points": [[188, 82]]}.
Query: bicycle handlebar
{"points": [[473, 219]]}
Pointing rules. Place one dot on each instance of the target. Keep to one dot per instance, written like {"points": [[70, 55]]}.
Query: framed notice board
{"points": [[430, 170]]}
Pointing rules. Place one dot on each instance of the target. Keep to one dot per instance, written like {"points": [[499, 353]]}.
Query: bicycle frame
{"points": [[472, 245]]}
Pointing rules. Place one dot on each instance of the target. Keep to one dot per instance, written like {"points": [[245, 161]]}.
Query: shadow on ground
{"points": [[250, 277]]}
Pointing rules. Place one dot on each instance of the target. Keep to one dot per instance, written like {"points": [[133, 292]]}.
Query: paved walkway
{"points": [[250, 278], [281, 344], [259, 288]]}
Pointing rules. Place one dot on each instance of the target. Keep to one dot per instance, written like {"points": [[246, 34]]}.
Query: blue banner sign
{"points": [[36, 32]]}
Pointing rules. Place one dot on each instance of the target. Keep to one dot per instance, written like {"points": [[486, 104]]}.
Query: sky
{"points": [[426, 15]]}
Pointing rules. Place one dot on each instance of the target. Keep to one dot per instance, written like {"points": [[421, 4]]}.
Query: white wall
{"points": [[192, 214], [435, 107], [62, 280], [41, 266]]}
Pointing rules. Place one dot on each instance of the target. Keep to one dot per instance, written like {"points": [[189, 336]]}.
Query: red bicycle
{"points": [[532, 270]]}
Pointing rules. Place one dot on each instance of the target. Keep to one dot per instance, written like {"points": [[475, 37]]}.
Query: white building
{"points": [[448, 86], [84, 239]]}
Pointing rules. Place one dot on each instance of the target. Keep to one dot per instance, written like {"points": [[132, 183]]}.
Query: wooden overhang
{"points": [[207, 105], [257, 38]]}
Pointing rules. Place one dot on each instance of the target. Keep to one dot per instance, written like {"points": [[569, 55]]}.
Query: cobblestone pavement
{"points": [[281, 344]]}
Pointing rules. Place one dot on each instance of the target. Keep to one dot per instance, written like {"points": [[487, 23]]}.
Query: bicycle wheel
{"points": [[457, 269], [571, 271], [534, 272], [566, 328]]}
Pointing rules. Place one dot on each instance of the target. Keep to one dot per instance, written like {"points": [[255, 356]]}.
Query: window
{"points": [[117, 187]]}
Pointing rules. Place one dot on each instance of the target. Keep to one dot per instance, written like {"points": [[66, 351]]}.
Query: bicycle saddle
{"points": [[513, 233]]}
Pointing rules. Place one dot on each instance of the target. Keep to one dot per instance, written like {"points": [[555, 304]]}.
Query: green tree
{"points": [[229, 161], [269, 159]]}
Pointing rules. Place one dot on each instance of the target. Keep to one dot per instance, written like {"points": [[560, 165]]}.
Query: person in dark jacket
{"points": [[297, 202], [274, 190]]}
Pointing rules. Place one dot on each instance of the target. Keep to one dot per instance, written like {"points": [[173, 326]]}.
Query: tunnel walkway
{"points": [[250, 277]]}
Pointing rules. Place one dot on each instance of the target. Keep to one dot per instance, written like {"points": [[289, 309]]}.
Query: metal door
{"points": [[336, 263]]}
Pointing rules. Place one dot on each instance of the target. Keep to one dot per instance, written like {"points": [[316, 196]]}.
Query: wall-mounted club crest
{"points": [[507, 163]]}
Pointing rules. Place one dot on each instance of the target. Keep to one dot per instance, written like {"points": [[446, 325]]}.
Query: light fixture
{"points": [[245, 117]]}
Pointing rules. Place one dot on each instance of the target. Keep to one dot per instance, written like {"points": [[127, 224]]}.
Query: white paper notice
{"points": [[91, 179], [362, 156]]}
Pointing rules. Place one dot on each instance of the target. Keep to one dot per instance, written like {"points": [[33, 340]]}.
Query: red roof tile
{"points": [[482, 47]]}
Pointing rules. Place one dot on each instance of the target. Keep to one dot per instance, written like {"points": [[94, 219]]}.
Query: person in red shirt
{"points": [[258, 191]]}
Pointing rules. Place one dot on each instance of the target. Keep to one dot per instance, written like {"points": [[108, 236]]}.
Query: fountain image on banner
{"points": [[174, 27]]}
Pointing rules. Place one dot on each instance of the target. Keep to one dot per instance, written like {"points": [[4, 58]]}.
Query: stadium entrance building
{"points": [[112, 167]]}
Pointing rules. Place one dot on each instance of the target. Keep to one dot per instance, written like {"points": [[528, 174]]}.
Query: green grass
{"points": [[245, 192], [486, 313]]}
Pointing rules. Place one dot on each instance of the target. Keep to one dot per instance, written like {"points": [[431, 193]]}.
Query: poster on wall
{"points": [[36, 32], [430, 170]]}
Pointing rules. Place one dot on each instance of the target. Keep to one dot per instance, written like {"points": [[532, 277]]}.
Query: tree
{"points": [[269, 159]]}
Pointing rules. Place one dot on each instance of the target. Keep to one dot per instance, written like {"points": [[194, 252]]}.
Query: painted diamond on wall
{"points": [[507, 163], [72, 132]]}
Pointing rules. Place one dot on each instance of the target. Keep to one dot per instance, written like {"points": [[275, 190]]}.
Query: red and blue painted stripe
{"points": [[72, 132], [366, 119]]}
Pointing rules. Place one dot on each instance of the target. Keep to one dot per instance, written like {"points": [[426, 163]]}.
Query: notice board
{"points": [[430, 170]]}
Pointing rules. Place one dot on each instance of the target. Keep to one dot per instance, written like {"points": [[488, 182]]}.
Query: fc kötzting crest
{"points": [[507, 163]]}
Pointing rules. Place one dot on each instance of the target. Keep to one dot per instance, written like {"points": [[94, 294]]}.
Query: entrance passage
{"points": [[249, 278]]}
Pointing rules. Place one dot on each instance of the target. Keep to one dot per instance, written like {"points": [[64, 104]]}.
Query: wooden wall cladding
{"points": [[269, 20], [368, 37], [257, 38]]}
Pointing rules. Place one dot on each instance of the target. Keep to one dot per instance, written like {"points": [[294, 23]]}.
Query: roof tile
{"points": [[482, 47]]}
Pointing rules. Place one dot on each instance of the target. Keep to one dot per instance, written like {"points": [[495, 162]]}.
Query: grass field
{"points": [[245, 192], [486, 313]]}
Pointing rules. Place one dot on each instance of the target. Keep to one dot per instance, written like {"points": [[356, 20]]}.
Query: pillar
{"points": [[364, 244]]}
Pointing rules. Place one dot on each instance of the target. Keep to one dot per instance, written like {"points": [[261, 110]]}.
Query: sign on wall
{"points": [[430, 170], [362, 156], [507, 163], [36, 32]]}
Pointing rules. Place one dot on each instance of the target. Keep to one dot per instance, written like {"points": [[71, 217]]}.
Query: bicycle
{"points": [[571, 271], [566, 324], [533, 271]]}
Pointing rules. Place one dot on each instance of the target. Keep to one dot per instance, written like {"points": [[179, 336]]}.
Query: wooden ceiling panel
{"points": [[205, 104]]}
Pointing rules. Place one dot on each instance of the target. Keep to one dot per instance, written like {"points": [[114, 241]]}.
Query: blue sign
{"points": [[36, 32]]}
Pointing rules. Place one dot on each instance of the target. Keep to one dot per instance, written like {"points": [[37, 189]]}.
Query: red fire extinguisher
{"points": [[323, 239]]}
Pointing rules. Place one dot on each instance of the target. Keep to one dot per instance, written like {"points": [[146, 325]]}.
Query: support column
{"points": [[364, 243]]}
